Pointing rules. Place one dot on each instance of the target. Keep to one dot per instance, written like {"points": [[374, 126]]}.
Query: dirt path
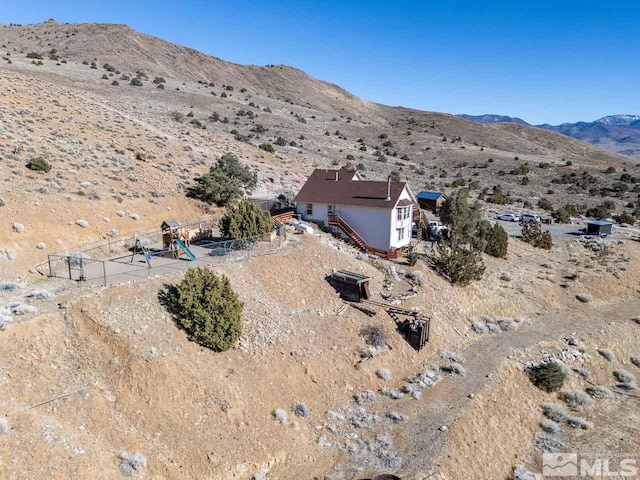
{"points": [[447, 400]]}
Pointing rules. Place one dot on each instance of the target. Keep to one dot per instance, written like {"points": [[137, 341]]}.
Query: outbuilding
{"points": [[599, 227], [431, 200]]}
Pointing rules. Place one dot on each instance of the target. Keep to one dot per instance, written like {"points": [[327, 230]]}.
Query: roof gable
{"points": [[340, 187]]}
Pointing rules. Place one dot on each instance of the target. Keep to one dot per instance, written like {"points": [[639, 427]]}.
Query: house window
{"points": [[403, 213], [331, 209], [400, 234], [309, 208]]}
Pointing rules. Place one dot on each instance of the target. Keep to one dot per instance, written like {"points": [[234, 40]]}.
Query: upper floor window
{"points": [[403, 213], [309, 208]]}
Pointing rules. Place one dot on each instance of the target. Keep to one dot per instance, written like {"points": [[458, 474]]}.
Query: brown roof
{"points": [[405, 202], [322, 187]]}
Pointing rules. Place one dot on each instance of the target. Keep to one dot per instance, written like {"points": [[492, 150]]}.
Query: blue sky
{"points": [[544, 61]]}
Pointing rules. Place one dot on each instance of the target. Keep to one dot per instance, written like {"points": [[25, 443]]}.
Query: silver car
{"points": [[530, 217], [509, 217]]}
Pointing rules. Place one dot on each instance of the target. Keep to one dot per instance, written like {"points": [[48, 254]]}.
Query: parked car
{"points": [[530, 217], [436, 230], [509, 217]]}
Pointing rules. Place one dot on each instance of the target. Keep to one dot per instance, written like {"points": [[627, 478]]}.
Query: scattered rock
{"points": [[585, 297], [132, 463], [443, 428], [18, 228], [41, 246], [82, 223]]}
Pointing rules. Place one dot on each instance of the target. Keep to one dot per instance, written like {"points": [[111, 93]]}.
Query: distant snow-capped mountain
{"points": [[491, 118], [619, 133]]}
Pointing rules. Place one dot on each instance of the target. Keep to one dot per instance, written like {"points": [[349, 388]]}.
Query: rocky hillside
{"points": [[127, 120]]}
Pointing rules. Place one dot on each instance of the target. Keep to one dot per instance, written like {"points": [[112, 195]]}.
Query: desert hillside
{"points": [[100, 383], [114, 146]]}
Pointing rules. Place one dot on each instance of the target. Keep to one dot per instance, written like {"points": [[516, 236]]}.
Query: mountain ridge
{"points": [[619, 133]]}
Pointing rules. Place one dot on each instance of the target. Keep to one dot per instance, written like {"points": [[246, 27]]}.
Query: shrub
{"points": [[554, 412], [281, 142], [159, 80], [280, 415], [495, 239], [374, 336], [115, 83], [35, 55], [548, 377], [300, 409], [458, 263], [363, 398], [226, 181], [608, 354], [136, 82], [624, 377], [245, 220], [545, 204], [532, 234], [208, 309], [576, 398], [38, 164], [550, 426], [521, 473], [598, 391], [132, 463], [577, 422], [267, 147], [624, 217]]}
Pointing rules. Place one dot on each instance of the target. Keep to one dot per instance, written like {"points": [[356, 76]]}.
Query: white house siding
{"points": [[319, 214], [405, 224], [372, 224], [377, 226]]}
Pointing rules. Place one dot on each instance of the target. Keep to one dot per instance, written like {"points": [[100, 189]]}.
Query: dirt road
{"points": [[447, 400]]}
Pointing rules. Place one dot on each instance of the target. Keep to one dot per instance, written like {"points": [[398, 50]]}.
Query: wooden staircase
{"points": [[335, 219], [421, 221], [282, 218]]}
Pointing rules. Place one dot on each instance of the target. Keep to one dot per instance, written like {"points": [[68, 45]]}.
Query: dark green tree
{"points": [[245, 220], [457, 262], [226, 181], [208, 309], [547, 376], [532, 234]]}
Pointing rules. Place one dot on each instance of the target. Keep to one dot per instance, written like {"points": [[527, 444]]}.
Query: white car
{"points": [[509, 217], [530, 217]]}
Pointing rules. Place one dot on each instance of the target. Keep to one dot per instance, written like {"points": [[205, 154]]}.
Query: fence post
{"points": [[104, 272], [69, 265], [50, 271]]}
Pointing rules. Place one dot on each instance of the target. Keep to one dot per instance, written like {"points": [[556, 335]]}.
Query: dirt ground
{"points": [[197, 414]]}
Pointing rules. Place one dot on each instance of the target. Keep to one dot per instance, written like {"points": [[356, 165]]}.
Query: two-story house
{"points": [[375, 215]]}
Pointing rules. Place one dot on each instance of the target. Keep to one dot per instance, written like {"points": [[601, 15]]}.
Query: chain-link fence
{"points": [[134, 261]]}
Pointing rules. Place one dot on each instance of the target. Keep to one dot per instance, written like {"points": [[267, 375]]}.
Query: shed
{"points": [[429, 200], [599, 227], [351, 286]]}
